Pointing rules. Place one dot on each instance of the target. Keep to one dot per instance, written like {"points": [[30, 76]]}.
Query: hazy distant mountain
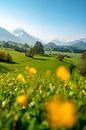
{"points": [[20, 36], [57, 42], [50, 46], [76, 45], [24, 36], [79, 44], [37, 39], [7, 36]]}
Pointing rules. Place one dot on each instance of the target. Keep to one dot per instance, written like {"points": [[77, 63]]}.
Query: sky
{"points": [[46, 19]]}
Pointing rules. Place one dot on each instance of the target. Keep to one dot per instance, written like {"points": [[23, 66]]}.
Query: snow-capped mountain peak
{"points": [[18, 34], [24, 36]]}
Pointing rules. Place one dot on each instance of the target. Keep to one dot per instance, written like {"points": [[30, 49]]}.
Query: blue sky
{"points": [[46, 19]]}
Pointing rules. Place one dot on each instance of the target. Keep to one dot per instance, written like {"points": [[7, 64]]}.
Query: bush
{"points": [[61, 57], [2, 56], [82, 66], [83, 56], [5, 57], [30, 53], [8, 57]]}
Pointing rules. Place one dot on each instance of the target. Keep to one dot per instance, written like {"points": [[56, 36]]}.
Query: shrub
{"points": [[83, 56], [5, 57], [2, 56], [82, 66], [30, 53], [61, 57], [9, 57]]}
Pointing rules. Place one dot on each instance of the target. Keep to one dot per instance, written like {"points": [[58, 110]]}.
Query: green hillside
{"points": [[41, 63]]}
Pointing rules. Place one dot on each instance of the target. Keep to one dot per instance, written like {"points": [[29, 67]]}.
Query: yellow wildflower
{"points": [[22, 100], [27, 68], [84, 92], [20, 77], [32, 70], [62, 73], [68, 114], [60, 113], [65, 83]]}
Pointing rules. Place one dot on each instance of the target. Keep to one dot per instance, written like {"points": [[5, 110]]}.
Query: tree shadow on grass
{"points": [[13, 62], [43, 59], [46, 55], [70, 63], [4, 69]]}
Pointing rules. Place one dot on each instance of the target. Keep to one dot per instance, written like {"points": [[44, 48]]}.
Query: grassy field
{"points": [[21, 61], [44, 98], [41, 63]]}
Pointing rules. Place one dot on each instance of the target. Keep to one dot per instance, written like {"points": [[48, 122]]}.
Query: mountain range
{"points": [[19, 35], [58, 42], [76, 45], [7, 36]]}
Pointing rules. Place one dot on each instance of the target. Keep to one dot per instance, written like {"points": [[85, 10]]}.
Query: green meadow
{"points": [[41, 63]]}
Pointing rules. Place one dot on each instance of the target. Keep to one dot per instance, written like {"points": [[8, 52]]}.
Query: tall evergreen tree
{"points": [[38, 48]]}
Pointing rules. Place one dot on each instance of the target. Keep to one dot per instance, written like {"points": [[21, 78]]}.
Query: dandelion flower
{"points": [[68, 114], [27, 68], [20, 77], [22, 100], [62, 73], [60, 113], [65, 83], [32, 70], [84, 92]]}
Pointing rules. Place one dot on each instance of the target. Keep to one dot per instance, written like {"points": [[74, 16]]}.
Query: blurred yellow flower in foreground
{"points": [[32, 70], [84, 92], [60, 113], [27, 68], [62, 73], [22, 100], [20, 77]]}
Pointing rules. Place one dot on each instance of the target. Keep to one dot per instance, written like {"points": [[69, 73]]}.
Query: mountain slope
{"points": [[50, 46], [76, 46], [24, 36], [79, 44], [57, 42], [7, 36]]}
